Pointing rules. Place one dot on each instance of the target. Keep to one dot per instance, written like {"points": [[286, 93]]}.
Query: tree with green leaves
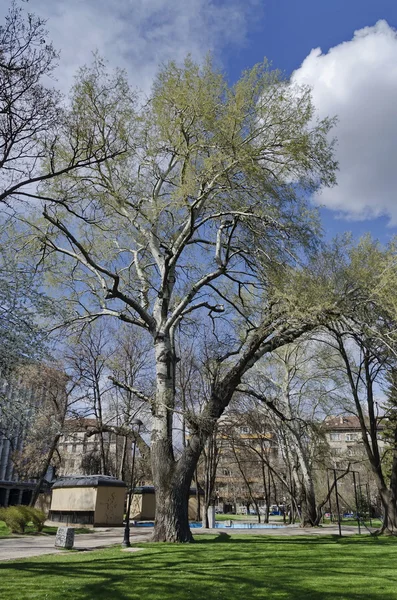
{"points": [[41, 136], [293, 392], [363, 345], [24, 307], [202, 217]]}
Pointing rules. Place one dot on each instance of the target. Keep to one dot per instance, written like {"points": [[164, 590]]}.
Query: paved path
{"points": [[286, 531], [26, 546]]}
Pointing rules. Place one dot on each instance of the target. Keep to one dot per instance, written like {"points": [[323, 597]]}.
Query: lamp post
{"points": [[126, 541]]}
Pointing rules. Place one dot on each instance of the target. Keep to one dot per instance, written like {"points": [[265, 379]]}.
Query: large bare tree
{"points": [[202, 216]]}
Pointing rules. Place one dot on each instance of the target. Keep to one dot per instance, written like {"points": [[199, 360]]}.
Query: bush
{"points": [[17, 517], [38, 518]]}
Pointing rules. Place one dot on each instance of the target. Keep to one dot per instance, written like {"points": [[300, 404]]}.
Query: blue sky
{"points": [[288, 29], [346, 50], [285, 32]]}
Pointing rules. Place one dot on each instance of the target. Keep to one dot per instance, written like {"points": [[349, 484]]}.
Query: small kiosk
{"points": [[143, 505], [96, 500]]}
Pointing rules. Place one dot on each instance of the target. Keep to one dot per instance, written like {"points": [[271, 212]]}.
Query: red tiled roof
{"points": [[342, 422], [345, 422]]}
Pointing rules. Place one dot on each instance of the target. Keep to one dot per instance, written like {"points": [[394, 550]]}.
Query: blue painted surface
{"points": [[239, 525], [220, 525]]}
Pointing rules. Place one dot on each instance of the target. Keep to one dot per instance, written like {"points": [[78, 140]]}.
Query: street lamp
{"points": [[126, 541]]}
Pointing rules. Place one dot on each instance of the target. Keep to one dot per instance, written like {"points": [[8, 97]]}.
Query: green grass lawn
{"points": [[214, 568], [5, 532], [353, 522], [246, 518]]}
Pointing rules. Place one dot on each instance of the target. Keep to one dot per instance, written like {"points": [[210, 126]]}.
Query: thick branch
{"points": [[124, 386]]}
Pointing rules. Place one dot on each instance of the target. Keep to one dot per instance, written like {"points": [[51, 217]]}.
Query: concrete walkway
{"points": [[286, 531], [27, 546]]}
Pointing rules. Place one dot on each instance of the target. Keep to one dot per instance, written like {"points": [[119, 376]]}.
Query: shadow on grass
{"points": [[222, 537], [120, 579], [298, 540], [221, 567]]}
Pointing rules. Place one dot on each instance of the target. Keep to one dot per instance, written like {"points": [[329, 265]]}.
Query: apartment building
{"points": [[244, 449], [24, 392], [344, 437], [83, 452]]}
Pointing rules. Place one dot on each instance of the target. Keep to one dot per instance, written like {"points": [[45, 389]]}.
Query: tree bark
{"points": [[172, 517], [308, 507], [390, 511], [46, 465], [123, 459], [172, 479], [265, 492]]}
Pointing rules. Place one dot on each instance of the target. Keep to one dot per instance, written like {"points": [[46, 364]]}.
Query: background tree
{"points": [[89, 363], [131, 368], [96, 358], [389, 459], [241, 463], [49, 386], [295, 393], [25, 312], [364, 347], [40, 137], [260, 442], [25, 309]]}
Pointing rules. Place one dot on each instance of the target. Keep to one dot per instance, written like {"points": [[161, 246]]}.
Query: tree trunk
{"points": [[306, 486], [204, 514], [387, 496], [123, 459], [265, 493], [46, 465], [172, 494], [172, 519], [308, 507], [390, 511], [198, 499], [171, 479], [391, 496]]}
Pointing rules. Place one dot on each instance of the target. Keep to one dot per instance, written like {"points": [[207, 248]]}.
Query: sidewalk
{"points": [[27, 546], [287, 530]]}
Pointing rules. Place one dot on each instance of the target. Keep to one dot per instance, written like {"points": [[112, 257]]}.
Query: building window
{"points": [[351, 437], [244, 430], [74, 448], [334, 437]]}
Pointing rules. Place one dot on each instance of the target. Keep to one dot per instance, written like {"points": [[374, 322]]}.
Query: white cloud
{"points": [[357, 81], [138, 35]]}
